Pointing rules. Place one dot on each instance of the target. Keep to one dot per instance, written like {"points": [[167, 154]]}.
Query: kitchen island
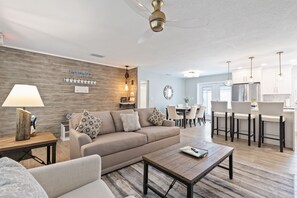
{"points": [[271, 129]]}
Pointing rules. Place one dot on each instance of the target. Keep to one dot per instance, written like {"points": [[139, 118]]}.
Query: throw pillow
{"points": [[130, 121], [89, 125], [157, 117], [16, 181]]}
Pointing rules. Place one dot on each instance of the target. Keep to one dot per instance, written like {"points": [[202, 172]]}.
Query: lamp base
{"points": [[23, 125]]}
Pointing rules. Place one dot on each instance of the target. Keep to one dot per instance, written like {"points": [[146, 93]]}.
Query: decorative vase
{"points": [[186, 105]]}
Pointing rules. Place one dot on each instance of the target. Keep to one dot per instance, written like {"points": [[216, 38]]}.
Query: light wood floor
{"points": [[267, 157]]}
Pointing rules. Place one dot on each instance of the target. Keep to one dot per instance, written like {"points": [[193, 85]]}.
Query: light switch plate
{"points": [[81, 89]]}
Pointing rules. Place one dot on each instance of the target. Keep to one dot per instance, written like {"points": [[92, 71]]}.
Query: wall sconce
{"points": [[126, 77]]}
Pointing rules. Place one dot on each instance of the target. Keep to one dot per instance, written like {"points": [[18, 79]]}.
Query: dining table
{"points": [[184, 111]]}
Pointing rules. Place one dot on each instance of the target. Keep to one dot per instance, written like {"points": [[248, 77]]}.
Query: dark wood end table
{"points": [[42, 139], [186, 168]]}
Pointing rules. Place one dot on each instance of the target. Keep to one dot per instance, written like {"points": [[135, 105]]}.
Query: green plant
{"points": [[186, 99]]}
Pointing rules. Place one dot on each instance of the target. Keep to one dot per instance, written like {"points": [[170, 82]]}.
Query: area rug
{"points": [[248, 181]]}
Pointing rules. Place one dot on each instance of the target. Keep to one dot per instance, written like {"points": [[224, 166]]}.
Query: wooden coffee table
{"points": [[186, 168]]}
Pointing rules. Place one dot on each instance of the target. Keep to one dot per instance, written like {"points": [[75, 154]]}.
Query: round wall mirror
{"points": [[168, 92]]}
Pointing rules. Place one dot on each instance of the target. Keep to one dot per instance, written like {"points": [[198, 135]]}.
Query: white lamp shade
{"points": [[23, 96]]}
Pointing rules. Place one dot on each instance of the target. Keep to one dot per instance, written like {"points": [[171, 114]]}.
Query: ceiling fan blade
{"points": [[139, 8], [145, 36], [188, 23]]}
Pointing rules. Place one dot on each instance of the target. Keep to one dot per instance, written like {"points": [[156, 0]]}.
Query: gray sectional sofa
{"points": [[116, 147]]}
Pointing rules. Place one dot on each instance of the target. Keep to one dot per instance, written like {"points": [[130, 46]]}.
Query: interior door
{"points": [[144, 94]]}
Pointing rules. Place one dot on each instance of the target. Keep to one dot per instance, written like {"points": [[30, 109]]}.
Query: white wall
{"points": [[191, 84], [157, 82]]}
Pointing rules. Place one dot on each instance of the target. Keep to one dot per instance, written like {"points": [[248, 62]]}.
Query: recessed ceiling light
{"points": [[97, 55], [293, 60], [239, 67], [263, 64]]}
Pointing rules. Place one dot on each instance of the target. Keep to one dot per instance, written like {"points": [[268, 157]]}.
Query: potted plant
{"points": [[186, 99]]}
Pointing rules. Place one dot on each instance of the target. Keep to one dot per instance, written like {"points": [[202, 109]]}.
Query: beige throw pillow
{"points": [[89, 125], [157, 117], [130, 121]]}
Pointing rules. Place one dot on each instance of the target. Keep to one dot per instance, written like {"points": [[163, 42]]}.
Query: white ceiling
{"points": [[236, 30]]}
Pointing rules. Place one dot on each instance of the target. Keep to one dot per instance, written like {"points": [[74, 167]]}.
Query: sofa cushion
{"points": [[144, 115], [157, 117], [16, 181], [105, 116], [155, 133], [130, 121], [114, 142], [94, 189], [116, 115], [89, 124]]}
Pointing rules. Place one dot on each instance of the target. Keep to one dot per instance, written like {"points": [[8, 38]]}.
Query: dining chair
{"points": [[200, 115], [219, 111], [192, 115], [272, 112], [172, 115], [242, 111]]}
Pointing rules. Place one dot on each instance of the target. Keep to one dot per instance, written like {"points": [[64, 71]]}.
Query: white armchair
{"points": [[75, 178]]}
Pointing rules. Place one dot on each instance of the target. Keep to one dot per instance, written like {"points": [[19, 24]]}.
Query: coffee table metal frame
{"points": [[189, 184]]}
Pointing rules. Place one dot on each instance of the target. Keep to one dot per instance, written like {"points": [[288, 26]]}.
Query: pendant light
{"points": [[229, 81], [280, 75], [251, 80], [126, 77]]}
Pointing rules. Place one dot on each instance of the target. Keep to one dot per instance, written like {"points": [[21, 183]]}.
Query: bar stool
{"points": [[272, 112], [242, 111], [219, 110]]}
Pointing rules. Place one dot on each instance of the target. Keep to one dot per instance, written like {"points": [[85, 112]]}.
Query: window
{"points": [[225, 94], [206, 99]]}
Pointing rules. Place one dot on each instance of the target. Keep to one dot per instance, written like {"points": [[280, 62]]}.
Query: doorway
{"points": [[144, 94]]}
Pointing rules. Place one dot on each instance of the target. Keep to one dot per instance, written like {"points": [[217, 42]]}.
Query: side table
{"points": [[42, 139]]}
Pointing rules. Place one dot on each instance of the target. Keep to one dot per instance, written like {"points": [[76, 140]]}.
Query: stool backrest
{"points": [[271, 108], [219, 106], [241, 107], [171, 112], [200, 112]]}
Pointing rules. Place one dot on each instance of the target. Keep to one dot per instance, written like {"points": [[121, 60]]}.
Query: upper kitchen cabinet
{"points": [[243, 75], [273, 84]]}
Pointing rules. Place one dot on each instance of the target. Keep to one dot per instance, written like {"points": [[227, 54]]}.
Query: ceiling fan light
{"points": [[157, 21]]}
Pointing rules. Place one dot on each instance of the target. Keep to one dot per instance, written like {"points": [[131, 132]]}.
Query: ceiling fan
{"points": [[157, 18]]}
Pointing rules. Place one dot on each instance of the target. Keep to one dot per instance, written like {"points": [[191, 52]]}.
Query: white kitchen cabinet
{"points": [[272, 84], [243, 75]]}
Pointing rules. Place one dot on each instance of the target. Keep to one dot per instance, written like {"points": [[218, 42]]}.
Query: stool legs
{"points": [[281, 134], [237, 128], [260, 131], [212, 124], [249, 130], [217, 126], [254, 129], [226, 123]]}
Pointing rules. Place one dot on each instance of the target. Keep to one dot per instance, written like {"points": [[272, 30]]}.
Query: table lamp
{"points": [[23, 96]]}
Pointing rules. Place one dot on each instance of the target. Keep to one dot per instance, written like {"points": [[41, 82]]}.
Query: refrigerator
{"points": [[246, 92]]}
